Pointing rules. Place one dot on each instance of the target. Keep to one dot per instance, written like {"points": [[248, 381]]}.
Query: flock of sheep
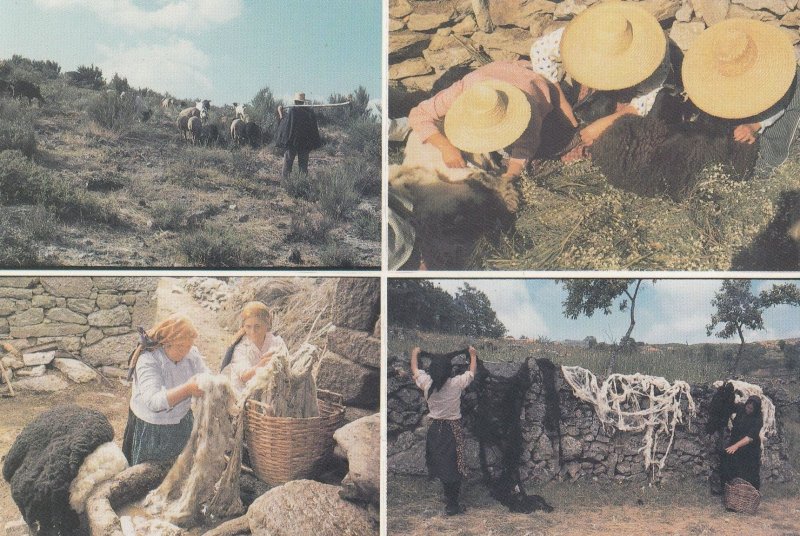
{"points": [[190, 124]]}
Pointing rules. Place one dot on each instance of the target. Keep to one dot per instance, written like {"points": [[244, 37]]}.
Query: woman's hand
{"points": [[193, 388], [451, 155], [746, 133], [265, 358], [731, 449]]}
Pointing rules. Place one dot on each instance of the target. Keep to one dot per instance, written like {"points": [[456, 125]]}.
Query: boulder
{"points": [[684, 14], [778, 7], [359, 442], [399, 9], [62, 314], [32, 372], [45, 384], [737, 11], [431, 21], [406, 44], [81, 305], [396, 25], [75, 370], [518, 12], [307, 507], [445, 52], [111, 350], [662, 9], [410, 461], [356, 346], [17, 528], [107, 301], [412, 67], [11, 362], [711, 11], [16, 293], [34, 315], [356, 303], [126, 283], [92, 336], [118, 316], [422, 83], [358, 385], [514, 40], [144, 310], [684, 33], [571, 448], [466, 26], [18, 282], [33, 359], [568, 9], [53, 329], [7, 307], [68, 287], [44, 301], [790, 20]]}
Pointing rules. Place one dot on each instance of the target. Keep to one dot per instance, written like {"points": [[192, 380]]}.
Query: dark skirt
{"points": [[145, 442], [745, 463], [444, 451]]}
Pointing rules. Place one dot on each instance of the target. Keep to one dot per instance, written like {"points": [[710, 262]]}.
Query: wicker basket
{"points": [[741, 496], [285, 448]]}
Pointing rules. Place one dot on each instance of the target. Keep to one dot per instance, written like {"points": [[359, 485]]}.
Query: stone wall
{"points": [[428, 38], [94, 318], [578, 448]]}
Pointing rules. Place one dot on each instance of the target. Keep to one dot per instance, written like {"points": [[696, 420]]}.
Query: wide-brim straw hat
{"points": [[300, 97], [738, 68], [488, 116], [613, 45]]}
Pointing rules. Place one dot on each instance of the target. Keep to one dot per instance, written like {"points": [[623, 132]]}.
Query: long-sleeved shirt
{"points": [[546, 60], [426, 118], [155, 375], [444, 403], [247, 354]]}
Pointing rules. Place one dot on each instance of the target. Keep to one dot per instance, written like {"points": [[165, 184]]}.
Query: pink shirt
{"points": [[427, 117]]}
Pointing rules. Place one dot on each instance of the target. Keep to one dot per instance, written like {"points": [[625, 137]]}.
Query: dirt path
{"points": [[680, 508]]}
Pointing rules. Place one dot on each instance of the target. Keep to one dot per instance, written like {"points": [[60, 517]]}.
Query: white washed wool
{"points": [[744, 391], [106, 462]]}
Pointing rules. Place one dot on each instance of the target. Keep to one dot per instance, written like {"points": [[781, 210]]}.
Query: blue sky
{"points": [[223, 50], [669, 310]]}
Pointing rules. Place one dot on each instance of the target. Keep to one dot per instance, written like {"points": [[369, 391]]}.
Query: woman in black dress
{"points": [[742, 458]]}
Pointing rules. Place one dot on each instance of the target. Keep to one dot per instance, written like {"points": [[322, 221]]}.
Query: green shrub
{"points": [[19, 136], [335, 192], [364, 137], [213, 246], [111, 111], [299, 185], [169, 216], [338, 255], [43, 68], [308, 225], [17, 247], [367, 225], [366, 175], [89, 77]]}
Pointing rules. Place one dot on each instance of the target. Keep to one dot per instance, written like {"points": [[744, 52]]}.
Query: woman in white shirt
{"points": [[163, 368], [444, 449], [253, 345]]}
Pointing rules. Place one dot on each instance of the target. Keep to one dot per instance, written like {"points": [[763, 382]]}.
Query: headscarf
{"points": [[250, 310], [176, 327]]}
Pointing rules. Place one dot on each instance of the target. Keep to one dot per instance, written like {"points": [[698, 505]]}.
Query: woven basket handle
{"points": [[336, 398]]}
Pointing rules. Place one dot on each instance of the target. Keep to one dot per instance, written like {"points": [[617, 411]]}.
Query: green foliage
{"points": [[299, 185], [17, 246], [586, 296], [264, 111], [119, 84], [41, 69], [791, 355], [367, 225], [338, 255], [419, 304], [89, 77], [357, 110], [309, 225], [16, 129], [169, 216], [364, 138], [213, 246], [111, 111], [335, 192]]}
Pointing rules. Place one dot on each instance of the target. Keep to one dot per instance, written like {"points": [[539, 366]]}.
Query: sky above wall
{"points": [[223, 50], [669, 310]]}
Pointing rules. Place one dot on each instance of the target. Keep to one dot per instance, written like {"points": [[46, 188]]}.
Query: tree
{"points": [[119, 84], [265, 111], [586, 296], [738, 309], [478, 317]]}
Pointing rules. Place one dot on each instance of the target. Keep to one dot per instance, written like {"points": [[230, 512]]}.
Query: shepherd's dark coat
{"points": [[298, 130], [45, 458]]}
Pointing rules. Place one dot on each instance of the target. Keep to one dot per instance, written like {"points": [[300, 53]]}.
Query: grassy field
{"points": [[84, 182]]}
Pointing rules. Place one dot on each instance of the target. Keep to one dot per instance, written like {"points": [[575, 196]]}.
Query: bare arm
{"points": [[182, 392], [746, 440], [473, 360], [565, 106], [414, 357], [590, 133], [450, 153], [249, 373]]}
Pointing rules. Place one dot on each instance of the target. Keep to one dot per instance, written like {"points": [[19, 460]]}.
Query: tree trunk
{"points": [[612, 362], [128, 486], [482, 17], [740, 351]]}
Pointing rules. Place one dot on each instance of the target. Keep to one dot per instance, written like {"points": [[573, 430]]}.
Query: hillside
{"points": [[85, 182]]}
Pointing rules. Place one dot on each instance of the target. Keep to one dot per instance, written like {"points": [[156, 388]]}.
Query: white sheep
{"points": [[238, 131], [195, 128], [240, 112]]}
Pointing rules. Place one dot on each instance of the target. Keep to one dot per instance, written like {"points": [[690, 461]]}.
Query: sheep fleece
{"points": [[46, 457]]}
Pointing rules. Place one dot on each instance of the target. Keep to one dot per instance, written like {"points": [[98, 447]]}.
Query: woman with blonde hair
{"points": [[163, 367], [253, 345]]}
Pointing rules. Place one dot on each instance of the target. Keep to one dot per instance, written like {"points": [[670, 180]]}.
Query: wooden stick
{"points": [[318, 105]]}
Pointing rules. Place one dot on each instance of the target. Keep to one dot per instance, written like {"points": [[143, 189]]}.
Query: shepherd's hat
{"points": [[488, 116], [738, 68], [613, 45], [300, 97]]}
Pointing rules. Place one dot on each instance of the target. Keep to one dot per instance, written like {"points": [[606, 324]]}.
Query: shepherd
{"points": [[444, 449], [298, 134], [745, 71]]}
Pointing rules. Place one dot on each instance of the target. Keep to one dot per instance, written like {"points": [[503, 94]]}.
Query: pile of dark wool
{"points": [[46, 457]]}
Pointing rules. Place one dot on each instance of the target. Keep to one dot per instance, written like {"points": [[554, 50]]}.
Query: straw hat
{"points": [[300, 97], [613, 45], [488, 116], [738, 68]]}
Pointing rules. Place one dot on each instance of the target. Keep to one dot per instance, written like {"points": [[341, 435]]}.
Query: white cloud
{"points": [[178, 67], [185, 15]]}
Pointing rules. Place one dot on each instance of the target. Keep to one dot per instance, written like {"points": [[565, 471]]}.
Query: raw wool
{"points": [[195, 480], [106, 462], [745, 390], [141, 526], [635, 403], [286, 384]]}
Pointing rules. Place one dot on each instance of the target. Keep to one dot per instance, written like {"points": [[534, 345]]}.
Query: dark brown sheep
{"points": [[195, 127], [26, 89], [183, 125]]}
